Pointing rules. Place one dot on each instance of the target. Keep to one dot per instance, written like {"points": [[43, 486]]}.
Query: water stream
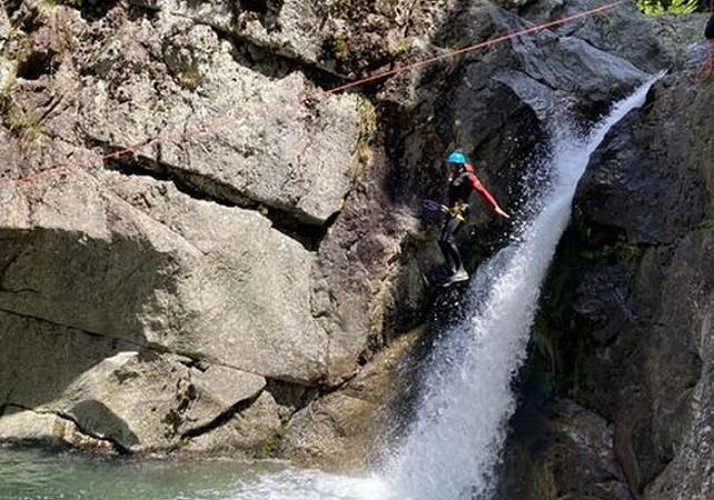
{"points": [[452, 447]]}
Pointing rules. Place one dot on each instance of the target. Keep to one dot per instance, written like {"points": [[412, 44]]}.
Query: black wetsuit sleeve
{"points": [[709, 30]]}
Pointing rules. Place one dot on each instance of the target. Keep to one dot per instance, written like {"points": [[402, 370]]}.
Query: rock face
{"points": [[177, 198], [566, 452], [626, 326], [350, 428], [203, 251], [140, 261]]}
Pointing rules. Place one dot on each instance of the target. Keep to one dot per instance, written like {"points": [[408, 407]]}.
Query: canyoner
{"points": [[462, 181]]}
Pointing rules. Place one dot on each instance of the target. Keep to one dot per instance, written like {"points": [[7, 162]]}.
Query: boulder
{"points": [[95, 392], [254, 431], [622, 31], [133, 259], [29, 427], [348, 428], [226, 130]]}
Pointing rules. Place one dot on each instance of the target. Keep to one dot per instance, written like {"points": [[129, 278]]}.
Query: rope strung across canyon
{"points": [[213, 123]]}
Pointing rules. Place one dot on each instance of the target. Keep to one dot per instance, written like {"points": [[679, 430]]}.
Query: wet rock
{"points": [[637, 261], [622, 31], [568, 454], [347, 429], [665, 198], [363, 263]]}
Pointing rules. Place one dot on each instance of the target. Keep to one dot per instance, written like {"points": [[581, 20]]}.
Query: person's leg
{"points": [[447, 242]]}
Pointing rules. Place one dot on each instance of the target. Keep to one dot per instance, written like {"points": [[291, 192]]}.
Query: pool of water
{"points": [[43, 475]]}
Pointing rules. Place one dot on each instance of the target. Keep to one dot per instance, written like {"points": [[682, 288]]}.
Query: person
{"points": [[462, 181]]}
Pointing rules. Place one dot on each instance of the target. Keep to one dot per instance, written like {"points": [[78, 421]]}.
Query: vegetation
{"points": [[368, 130], [8, 85], [659, 7], [402, 47], [45, 7], [23, 123], [271, 446], [190, 77], [340, 48]]}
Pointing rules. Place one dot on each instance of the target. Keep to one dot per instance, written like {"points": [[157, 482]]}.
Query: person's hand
{"points": [[502, 213], [444, 209]]}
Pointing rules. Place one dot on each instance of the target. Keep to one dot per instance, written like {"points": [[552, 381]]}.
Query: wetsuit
{"points": [[709, 30], [460, 187]]}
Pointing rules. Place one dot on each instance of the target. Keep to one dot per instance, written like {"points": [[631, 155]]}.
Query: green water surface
{"points": [[45, 475]]}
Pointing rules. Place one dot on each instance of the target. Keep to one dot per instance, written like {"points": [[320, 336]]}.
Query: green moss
{"points": [[552, 320], [271, 446], [24, 123], [559, 338], [707, 224], [190, 77], [659, 7], [368, 131], [630, 254], [339, 9], [691, 379], [402, 47], [340, 48], [8, 86], [46, 7]]}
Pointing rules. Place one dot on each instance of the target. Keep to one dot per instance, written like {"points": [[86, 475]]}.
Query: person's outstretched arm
{"points": [[476, 184]]}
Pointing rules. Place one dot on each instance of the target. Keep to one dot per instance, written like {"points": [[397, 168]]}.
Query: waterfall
{"points": [[450, 450]]}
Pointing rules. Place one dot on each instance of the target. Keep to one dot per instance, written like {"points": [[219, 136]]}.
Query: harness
{"points": [[459, 192], [458, 210]]}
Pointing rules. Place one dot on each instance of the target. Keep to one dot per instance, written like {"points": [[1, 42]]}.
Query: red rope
{"points": [[208, 125]]}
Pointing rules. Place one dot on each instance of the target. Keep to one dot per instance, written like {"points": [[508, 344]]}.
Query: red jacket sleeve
{"points": [[476, 184]]}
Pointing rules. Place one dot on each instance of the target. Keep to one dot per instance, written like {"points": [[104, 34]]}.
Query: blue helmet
{"points": [[457, 157]]}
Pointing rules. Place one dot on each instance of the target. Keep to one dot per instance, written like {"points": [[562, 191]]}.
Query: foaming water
{"points": [[315, 485], [451, 449]]}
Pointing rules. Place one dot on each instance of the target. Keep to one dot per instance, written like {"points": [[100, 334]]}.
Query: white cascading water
{"points": [[451, 449]]}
